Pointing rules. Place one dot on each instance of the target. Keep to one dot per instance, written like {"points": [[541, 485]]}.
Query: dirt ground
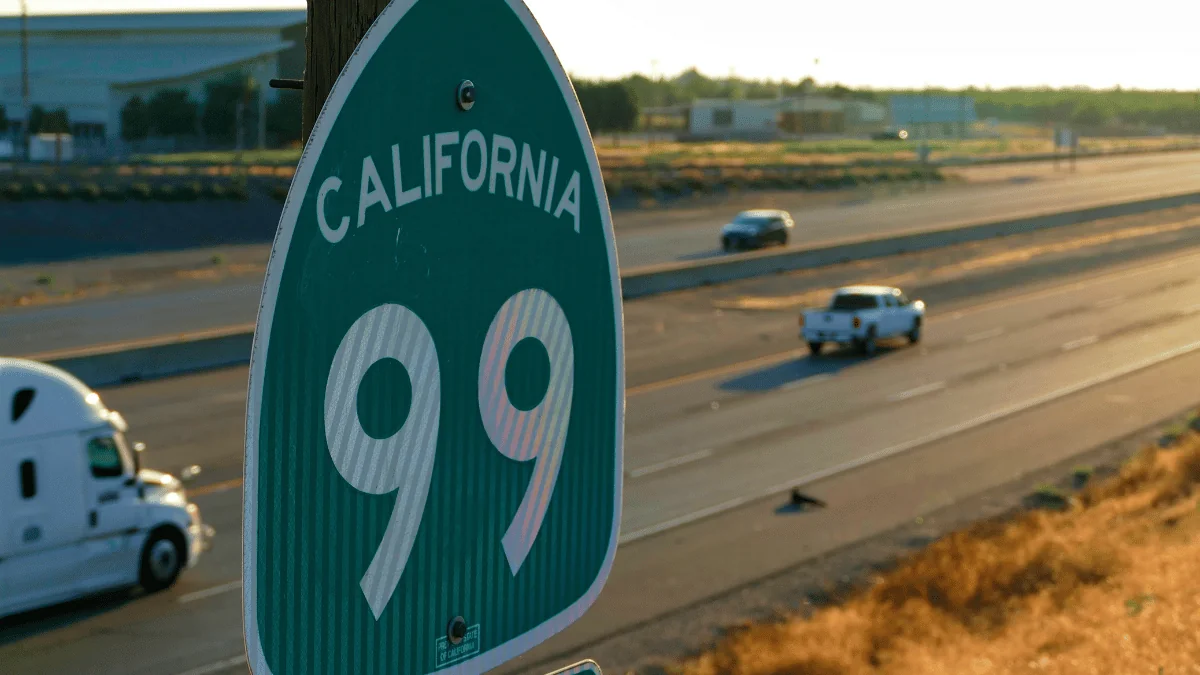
{"points": [[1101, 581]]}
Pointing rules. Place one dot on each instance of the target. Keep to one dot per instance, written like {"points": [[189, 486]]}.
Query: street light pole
{"points": [[25, 79]]}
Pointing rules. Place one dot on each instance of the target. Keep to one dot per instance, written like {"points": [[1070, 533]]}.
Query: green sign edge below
{"points": [[379, 30]]}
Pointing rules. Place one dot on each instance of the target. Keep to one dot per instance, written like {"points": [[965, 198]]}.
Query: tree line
{"points": [[616, 105], [41, 121], [173, 113], [1177, 111]]}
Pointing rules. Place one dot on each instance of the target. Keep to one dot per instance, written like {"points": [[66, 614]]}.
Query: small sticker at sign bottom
{"points": [[587, 667], [448, 654]]}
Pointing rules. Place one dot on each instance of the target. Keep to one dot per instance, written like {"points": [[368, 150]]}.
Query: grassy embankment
{"points": [[1101, 581]]}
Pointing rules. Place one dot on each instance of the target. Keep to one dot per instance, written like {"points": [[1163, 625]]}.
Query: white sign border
{"points": [[379, 30]]}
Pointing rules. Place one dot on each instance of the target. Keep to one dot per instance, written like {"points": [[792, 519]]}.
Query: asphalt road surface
{"points": [[643, 238], [999, 386]]}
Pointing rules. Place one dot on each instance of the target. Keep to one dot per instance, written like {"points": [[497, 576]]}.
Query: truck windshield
{"points": [[849, 302]]}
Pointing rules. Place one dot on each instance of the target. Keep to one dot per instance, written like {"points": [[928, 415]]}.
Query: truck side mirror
{"points": [[138, 449], [189, 474]]}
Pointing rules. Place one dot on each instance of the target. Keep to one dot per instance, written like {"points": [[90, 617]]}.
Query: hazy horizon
{"points": [[871, 47]]}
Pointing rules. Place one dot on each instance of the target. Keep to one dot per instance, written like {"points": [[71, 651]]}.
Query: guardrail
{"points": [[119, 363], [668, 277]]}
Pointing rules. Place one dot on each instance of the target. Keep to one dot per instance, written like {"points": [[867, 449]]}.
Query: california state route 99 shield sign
{"points": [[436, 402]]}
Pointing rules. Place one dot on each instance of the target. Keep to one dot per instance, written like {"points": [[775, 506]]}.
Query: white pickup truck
{"points": [[861, 315]]}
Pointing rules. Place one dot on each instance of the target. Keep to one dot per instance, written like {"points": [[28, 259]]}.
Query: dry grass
{"points": [[1108, 586], [1016, 140]]}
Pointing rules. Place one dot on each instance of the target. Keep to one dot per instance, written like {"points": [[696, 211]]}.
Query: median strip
{"points": [[681, 276]]}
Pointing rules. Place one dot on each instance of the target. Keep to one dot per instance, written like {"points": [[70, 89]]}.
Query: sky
{"points": [[951, 43]]}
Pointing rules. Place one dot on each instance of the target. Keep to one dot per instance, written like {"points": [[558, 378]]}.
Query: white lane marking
{"points": [[1109, 302], [918, 391], [670, 463], [210, 592], [815, 379], [985, 335], [217, 667], [910, 445], [1081, 342]]}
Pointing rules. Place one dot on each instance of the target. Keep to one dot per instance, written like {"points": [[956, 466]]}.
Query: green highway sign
{"points": [[587, 667], [436, 400]]}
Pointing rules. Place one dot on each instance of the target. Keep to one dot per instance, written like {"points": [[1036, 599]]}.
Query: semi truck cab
{"points": [[78, 513]]}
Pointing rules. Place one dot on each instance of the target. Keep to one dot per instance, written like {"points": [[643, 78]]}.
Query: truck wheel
{"points": [[914, 335], [162, 559], [815, 348], [867, 345]]}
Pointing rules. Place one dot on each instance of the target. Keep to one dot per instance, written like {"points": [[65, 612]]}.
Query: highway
{"points": [[643, 238], [1002, 384]]}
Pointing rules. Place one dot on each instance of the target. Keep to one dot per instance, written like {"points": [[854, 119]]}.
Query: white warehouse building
{"points": [[91, 65]]}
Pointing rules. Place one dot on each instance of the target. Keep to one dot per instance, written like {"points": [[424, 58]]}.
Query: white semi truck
{"points": [[78, 513]]}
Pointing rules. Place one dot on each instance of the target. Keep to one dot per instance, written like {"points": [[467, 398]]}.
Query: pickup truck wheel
{"points": [[914, 335], [814, 348], [162, 559], [867, 344]]}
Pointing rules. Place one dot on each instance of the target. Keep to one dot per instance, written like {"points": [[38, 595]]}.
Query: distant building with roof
{"points": [[804, 116], [935, 115], [91, 65]]}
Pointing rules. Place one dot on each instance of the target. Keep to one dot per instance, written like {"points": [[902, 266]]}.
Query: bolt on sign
{"points": [[436, 400]]}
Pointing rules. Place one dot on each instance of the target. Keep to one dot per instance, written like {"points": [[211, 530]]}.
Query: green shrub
{"points": [[238, 192], [214, 190], [165, 192], [279, 193], [113, 193], [671, 187], [37, 190], [14, 192], [190, 191], [613, 187], [140, 191], [643, 188], [89, 192], [62, 192]]}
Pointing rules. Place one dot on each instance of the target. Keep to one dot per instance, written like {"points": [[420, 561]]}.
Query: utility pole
{"points": [[25, 79], [334, 29], [261, 81]]}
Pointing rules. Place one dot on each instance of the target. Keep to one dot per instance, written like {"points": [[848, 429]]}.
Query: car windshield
{"points": [[852, 301], [758, 222]]}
